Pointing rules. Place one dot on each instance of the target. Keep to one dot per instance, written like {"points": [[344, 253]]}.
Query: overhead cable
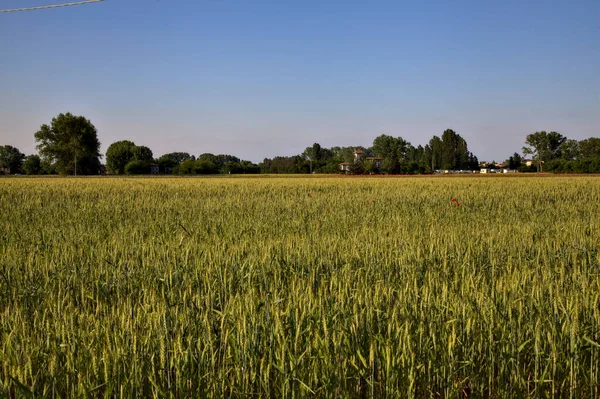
{"points": [[77, 3]]}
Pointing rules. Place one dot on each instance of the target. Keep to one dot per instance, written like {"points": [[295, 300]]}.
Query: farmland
{"points": [[300, 287]]}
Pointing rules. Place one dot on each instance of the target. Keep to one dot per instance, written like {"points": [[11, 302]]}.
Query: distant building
{"points": [[154, 169], [4, 171], [345, 167], [360, 155], [378, 161]]}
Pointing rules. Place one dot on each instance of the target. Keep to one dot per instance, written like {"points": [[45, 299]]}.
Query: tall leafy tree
{"points": [[514, 161], [435, 145], [395, 151], [175, 158], [543, 146], [118, 155], [11, 158], [450, 143], [312, 154], [71, 144], [569, 150], [590, 148], [142, 153], [32, 165]]}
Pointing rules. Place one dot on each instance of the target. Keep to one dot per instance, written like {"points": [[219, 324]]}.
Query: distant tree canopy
{"points": [[285, 165], [173, 159], [11, 158], [515, 161], [543, 147], [589, 148], [210, 164], [555, 153], [393, 155], [32, 165], [70, 143], [118, 155], [142, 153], [121, 153]]}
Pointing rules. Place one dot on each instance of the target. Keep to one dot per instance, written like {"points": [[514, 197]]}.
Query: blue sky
{"points": [[262, 78]]}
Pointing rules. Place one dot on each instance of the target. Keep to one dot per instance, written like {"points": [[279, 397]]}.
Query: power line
{"points": [[77, 3]]}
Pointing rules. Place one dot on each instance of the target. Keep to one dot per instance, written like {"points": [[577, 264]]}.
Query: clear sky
{"points": [[261, 78]]}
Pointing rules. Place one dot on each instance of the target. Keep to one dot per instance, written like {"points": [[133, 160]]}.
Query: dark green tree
{"points": [[312, 155], [175, 158], [395, 152], [515, 161], [204, 167], [137, 167], [358, 167], [435, 145], [543, 146], [71, 144], [11, 158], [589, 148], [118, 155], [569, 150], [187, 167], [142, 153], [32, 165]]}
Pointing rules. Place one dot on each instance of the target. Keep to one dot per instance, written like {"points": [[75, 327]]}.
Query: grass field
{"points": [[300, 287]]}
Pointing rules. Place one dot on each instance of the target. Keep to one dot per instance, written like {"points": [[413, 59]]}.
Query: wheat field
{"points": [[416, 287]]}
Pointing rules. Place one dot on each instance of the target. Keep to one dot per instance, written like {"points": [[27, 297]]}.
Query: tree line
{"points": [[69, 145], [388, 154]]}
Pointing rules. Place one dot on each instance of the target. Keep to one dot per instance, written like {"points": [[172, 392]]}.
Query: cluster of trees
{"points": [[398, 156], [553, 152], [209, 164], [124, 157], [70, 145], [14, 161]]}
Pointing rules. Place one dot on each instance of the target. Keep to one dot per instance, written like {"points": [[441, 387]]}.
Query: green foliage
{"points": [[70, 143], [137, 167], [32, 165], [11, 158], [205, 167], [569, 150], [312, 155], [300, 287], [187, 167], [358, 168], [118, 155], [514, 161], [142, 153], [454, 152], [588, 165], [173, 159], [393, 150], [589, 148], [543, 147], [285, 165]]}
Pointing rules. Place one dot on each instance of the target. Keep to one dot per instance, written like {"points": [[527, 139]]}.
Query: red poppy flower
{"points": [[454, 199], [458, 204]]}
